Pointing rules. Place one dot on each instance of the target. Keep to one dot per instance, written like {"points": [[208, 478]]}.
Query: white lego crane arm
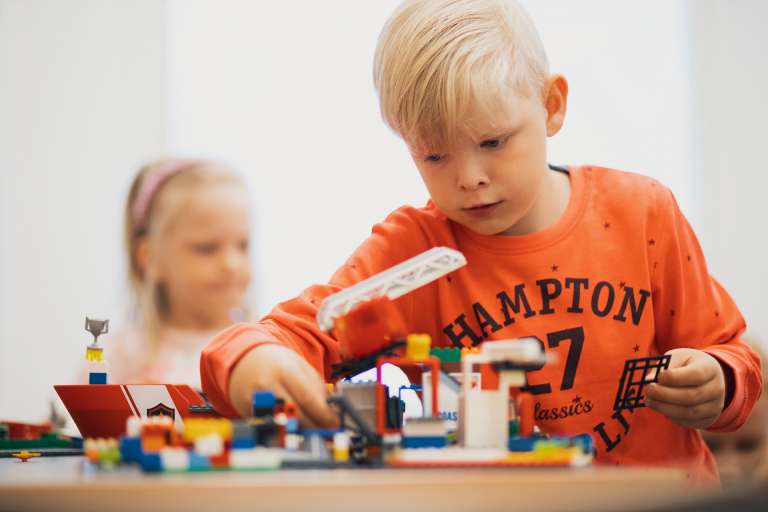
{"points": [[394, 282]]}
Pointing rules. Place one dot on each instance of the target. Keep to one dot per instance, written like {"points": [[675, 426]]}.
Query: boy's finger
{"points": [[687, 414], [693, 374], [308, 393], [694, 395]]}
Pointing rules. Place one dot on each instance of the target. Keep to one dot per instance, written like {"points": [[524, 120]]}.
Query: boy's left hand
{"points": [[692, 391]]}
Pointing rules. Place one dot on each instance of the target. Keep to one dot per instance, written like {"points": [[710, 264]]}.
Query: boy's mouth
{"points": [[482, 208]]}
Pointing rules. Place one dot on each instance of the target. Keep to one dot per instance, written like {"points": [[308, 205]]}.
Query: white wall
{"points": [[287, 96], [282, 90], [82, 102], [730, 71]]}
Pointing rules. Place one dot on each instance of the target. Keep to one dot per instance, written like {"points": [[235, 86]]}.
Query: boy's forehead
{"points": [[479, 122]]}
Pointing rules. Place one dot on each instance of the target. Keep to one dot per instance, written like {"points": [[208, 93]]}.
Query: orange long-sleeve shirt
{"points": [[619, 276]]}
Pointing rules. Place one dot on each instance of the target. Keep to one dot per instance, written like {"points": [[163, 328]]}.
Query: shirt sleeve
{"points": [[292, 323], [692, 310]]}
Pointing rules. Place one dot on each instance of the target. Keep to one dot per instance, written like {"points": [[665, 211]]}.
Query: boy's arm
{"points": [[292, 324], [692, 310]]}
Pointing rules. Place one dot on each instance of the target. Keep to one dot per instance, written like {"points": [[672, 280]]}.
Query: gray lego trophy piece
{"points": [[96, 327]]}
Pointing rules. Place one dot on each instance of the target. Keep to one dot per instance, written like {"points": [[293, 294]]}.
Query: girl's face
{"points": [[203, 259], [742, 455]]}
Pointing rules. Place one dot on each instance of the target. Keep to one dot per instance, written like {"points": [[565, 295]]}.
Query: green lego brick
{"points": [[447, 354]]}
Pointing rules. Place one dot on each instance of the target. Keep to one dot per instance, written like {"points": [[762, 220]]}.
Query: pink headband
{"points": [[151, 184]]}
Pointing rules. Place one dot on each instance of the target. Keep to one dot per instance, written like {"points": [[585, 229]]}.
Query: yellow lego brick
{"points": [[418, 345], [200, 427], [94, 354]]}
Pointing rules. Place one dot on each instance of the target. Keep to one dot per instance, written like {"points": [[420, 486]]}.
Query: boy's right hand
{"points": [[284, 372]]}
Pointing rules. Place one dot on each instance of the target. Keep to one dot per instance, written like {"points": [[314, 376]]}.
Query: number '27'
{"points": [[576, 337]]}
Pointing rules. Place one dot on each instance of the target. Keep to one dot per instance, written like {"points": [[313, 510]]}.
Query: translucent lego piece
{"points": [[94, 354]]}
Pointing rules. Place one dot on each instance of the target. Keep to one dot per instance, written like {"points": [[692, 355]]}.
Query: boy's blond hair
{"points": [[438, 60]]}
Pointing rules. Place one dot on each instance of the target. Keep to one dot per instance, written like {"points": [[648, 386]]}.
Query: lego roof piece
{"points": [[393, 283]]}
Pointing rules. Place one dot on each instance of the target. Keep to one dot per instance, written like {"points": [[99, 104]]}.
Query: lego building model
{"points": [[466, 422]]}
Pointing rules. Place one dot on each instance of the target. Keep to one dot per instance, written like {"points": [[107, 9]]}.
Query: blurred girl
{"points": [[742, 455], [187, 233]]}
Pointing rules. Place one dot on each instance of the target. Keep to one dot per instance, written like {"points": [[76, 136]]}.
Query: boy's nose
{"points": [[472, 179]]}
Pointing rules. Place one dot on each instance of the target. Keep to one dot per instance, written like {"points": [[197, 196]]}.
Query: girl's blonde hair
{"points": [[154, 201], [438, 60]]}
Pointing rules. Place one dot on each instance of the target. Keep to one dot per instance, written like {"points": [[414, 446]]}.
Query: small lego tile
{"points": [[263, 399], [424, 442], [242, 443], [521, 444], [130, 448], [151, 463], [447, 354], [97, 378], [209, 445], [174, 459], [255, 459], [198, 462]]}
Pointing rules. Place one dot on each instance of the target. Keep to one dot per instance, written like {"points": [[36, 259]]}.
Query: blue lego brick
{"points": [[198, 462], [130, 449], [292, 427], [521, 444], [151, 463], [585, 441], [263, 400], [424, 442], [243, 442], [97, 378]]}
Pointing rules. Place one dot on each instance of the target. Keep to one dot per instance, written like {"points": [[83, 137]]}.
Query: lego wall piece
{"points": [[638, 373]]}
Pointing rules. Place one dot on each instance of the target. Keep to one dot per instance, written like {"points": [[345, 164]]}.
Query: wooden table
{"points": [[69, 483]]}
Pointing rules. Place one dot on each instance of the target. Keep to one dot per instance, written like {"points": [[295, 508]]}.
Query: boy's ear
{"points": [[556, 103]]}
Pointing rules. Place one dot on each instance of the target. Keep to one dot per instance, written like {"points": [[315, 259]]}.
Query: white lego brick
{"points": [[483, 419], [133, 426], [255, 458], [174, 459], [209, 446], [425, 427]]}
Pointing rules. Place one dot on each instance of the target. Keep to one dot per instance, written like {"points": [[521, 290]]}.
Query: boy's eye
{"points": [[491, 143], [433, 158]]}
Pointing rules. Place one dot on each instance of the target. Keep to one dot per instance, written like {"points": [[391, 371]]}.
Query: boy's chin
{"points": [[484, 228]]}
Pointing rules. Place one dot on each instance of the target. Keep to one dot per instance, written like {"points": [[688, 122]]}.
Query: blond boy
{"points": [[600, 265]]}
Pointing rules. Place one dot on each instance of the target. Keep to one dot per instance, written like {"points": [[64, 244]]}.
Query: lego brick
{"points": [[97, 378], [174, 459], [255, 459], [151, 463], [424, 442], [209, 445], [263, 402], [198, 462], [446, 354], [130, 449]]}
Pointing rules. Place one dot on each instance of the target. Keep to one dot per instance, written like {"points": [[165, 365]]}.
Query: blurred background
{"points": [[282, 91]]}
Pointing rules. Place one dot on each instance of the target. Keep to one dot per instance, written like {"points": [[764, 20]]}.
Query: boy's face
{"points": [[489, 181]]}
